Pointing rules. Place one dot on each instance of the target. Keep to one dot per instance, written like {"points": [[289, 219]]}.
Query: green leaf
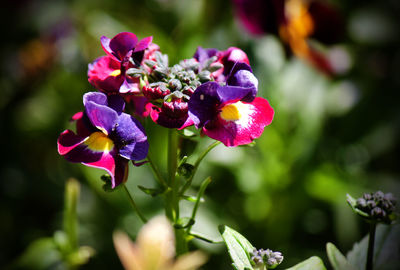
{"points": [[239, 247], [40, 254], [337, 259], [313, 263], [151, 191], [386, 255]]}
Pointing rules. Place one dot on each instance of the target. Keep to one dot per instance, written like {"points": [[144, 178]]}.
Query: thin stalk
{"points": [[172, 156], [200, 194], [196, 166], [156, 172], [70, 224], [371, 243], [137, 211]]}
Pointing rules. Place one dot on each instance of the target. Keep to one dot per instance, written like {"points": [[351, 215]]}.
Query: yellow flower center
{"points": [[99, 142], [115, 73], [231, 112]]}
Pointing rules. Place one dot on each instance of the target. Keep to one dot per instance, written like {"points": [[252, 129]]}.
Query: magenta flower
{"points": [[124, 51], [106, 138], [231, 113]]}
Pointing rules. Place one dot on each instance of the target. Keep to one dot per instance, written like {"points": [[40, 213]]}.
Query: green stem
{"points": [[156, 172], [196, 165], [172, 156], [200, 194], [137, 211], [172, 197], [70, 224], [371, 243], [171, 205]]}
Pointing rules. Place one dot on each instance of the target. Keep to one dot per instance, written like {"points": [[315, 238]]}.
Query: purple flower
{"points": [[231, 113], [227, 59], [106, 137], [108, 73]]}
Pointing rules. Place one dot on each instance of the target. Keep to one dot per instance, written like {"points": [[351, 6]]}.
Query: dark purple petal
{"points": [[230, 94], [117, 103], [135, 150], [99, 114], [67, 141], [130, 138], [121, 171], [82, 154], [204, 102], [122, 44], [241, 75]]}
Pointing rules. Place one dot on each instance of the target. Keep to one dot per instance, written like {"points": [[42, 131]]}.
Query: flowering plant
{"points": [[214, 94]]}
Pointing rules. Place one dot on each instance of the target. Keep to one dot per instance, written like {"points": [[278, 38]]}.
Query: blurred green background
{"points": [[331, 135]]}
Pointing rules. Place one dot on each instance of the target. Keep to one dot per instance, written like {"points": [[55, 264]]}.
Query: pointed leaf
{"points": [[313, 263], [337, 259], [238, 246], [386, 255]]}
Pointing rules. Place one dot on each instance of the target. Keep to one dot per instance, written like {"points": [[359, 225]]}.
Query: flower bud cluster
{"points": [[266, 258], [177, 82], [378, 206]]}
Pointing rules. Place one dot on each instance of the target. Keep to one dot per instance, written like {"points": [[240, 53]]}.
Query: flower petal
{"points": [[203, 103], [128, 252], [67, 141], [105, 44], [143, 44], [116, 166], [241, 75], [231, 94], [130, 85], [253, 117], [103, 74], [130, 135], [122, 43], [99, 114]]}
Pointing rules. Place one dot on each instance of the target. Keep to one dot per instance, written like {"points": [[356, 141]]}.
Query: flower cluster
{"points": [[214, 91], [377, 206], [266, 258]]}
